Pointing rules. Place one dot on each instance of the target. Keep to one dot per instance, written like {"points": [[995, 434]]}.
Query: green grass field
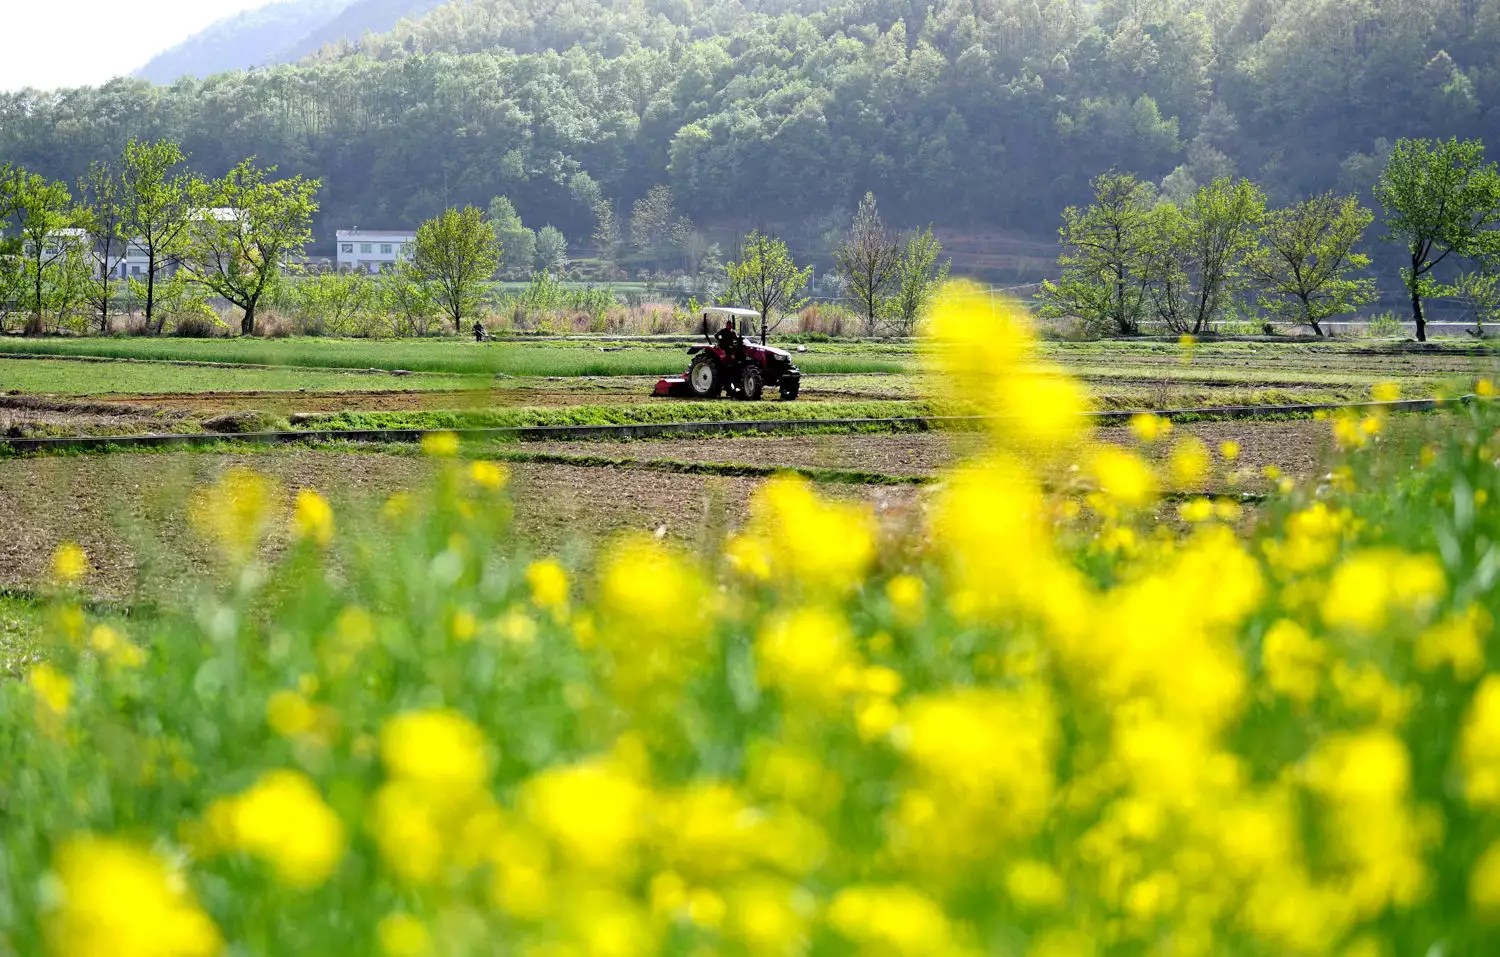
{"points": [[65, 377], [445, 355]]}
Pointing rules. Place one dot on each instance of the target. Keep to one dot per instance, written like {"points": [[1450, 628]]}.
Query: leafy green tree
{"points": [[408, 303], [655, 227], [607, 237], [517, 243], [1441, 199], [245, 226], [158, 214], [1108, 250], [1307, 264], [918, 277], [336, 301], [1198, 266], [868, 259], [45, 220], [457, 252], [551, 249], [766, 278], [101, 193], [12, 273]]}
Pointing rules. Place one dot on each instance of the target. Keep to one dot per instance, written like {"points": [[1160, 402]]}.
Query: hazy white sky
{"points": [[53, 43]]}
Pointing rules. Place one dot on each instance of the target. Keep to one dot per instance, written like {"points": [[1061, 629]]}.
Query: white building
{"points": [[372, 250]]}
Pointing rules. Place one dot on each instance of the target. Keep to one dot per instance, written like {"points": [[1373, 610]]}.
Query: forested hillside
{"points": [[967, 113], [257, 37]]}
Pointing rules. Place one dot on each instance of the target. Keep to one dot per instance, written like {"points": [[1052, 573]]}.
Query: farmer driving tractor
{"points": [[732, 363]]}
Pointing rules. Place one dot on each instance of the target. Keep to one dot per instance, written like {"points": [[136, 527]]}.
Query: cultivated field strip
{"points": [[651, 430]]}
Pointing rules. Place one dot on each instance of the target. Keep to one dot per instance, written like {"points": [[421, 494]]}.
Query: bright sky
{"points": [[54, 43]]}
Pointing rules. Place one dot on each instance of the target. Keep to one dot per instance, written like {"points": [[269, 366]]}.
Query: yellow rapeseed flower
{"points": [[1229, 450], [402, 935], [283, 820], [1371, 584], [1293, 661], [115, 648], [908, 597], [1035, 885], [490, 476], [1485, 389], [53, 689], [1148, 428], [1189, 462], [69, 563], [548, 582], [802, 652], [1479, 745], [1123, 476], [592, 811], [891, 919], [1484, 884], [1386, 391], [120, 900], [1457, 641], [440, 748], [236, 511], [440, 445], [312, 518], [811, 542], [290, 714]]}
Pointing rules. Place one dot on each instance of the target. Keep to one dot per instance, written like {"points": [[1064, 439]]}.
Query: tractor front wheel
{"points": [[751, 384], [704, 380], [791, 385]]}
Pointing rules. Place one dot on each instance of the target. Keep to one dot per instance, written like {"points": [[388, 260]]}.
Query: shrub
{"points": [[1385, 325]]}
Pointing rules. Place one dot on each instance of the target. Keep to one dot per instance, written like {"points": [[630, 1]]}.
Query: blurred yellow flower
{"points": [[402, 935], [69, 564], [491, 476], [119, 900], [1386, 391], [1484, 883], [1457, 641], [1035, 885], [1479, 745], [802, 652], [53, 689], [440, 748], [1123, 476], [1229, 450], [1189, 462], [290, 714], [1293, 660], [283, 820], [548, 582], [908, 597], [1485, 389], [236, 511], [810, 542], [312, 518], [440, 445], [115, 648], [593, 812], [1148, 428], [893, 919], [1370, 584]]}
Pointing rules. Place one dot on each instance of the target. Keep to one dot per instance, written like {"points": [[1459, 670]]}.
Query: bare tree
{"points": [[869, 258]]}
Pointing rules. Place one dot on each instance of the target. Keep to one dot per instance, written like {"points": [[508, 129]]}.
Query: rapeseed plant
{"points": [[1049, 721]]}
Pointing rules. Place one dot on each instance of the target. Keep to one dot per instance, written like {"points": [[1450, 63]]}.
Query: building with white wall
{"points": [[366, 250]]}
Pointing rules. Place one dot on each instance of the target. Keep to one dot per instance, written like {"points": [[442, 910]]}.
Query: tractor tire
{"points": [[751, 384], [791, 386], [705, 381]]}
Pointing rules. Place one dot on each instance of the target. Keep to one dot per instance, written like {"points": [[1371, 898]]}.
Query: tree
{"points": [[1108, 252], [607, 237], [655, 227], [766, 278], [1197, 264], [12, 275], [1440, 199], [551, 249], [1306, 265], [407, 300], [337, 301], [457, 252], [918, 277], [868, 258], [48, 235], [245, 225], [158, 213], [101, 193], [1479, 291], [517, 243]]}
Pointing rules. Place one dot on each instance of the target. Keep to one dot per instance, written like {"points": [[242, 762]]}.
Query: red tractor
{"points": [[733, 363]]}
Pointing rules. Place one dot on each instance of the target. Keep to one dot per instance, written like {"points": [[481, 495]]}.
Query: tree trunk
{"points": [[1416, 296], [247, 324], [151, 293]]}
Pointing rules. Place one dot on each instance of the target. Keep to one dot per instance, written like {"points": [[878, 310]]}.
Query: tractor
{"points": [[732, 362]]}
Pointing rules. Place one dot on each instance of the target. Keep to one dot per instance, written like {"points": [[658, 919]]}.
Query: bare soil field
{"points": [[128, 511]]}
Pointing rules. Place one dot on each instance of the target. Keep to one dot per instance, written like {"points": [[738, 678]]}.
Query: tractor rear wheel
{"points": [[704, 379], [751, 384]]}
